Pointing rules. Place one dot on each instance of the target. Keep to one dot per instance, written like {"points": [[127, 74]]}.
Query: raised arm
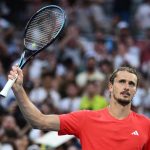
{"points": [[29, 110]]}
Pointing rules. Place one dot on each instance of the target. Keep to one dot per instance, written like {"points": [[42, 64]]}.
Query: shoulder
{"points": [[141, 118], [85, 113], [82, 114], [91, 114]]}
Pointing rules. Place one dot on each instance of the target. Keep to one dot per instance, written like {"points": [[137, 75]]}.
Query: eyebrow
{"points": [[130, 82]]}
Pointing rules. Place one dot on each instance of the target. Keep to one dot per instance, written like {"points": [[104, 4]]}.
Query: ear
{"points": [[110, 86]]}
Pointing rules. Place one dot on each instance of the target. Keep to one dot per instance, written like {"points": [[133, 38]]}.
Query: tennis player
{"points": [[115, 127]]}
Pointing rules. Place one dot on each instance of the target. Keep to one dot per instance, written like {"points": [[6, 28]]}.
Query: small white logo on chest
{"points": [[135, 133]]}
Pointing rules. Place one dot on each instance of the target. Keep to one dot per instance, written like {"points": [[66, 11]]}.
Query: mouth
{"points": [[125, 94]]}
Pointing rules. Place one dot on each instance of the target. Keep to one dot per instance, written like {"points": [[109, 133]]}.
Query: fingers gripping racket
{"points": [[41, 30]]}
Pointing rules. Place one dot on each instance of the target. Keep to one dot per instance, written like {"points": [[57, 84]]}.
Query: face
{"points": [[92, 89], [72, 90], [91, 64], [124, 87], [46, 82], [9, 122]]}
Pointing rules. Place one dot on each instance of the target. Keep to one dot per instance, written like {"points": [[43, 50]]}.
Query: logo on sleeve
{"points": [[135, 133]]}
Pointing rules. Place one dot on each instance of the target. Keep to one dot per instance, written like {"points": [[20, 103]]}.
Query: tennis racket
{"points": [[41, 30]]}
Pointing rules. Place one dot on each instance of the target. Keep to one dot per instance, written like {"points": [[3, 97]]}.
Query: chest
{"points": [[110, 135]]}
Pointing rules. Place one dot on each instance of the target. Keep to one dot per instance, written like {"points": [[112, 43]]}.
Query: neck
{"points": [[118, 111]]}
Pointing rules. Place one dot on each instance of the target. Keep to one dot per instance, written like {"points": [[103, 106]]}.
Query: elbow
{"points": [[37, 126], [36, 123]]}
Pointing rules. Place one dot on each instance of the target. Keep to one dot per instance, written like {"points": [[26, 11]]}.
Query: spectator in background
{"points": [[83, 14], [134, 52], [122, 9], [4, 56], [91, 15], [142, 17], [8, 146], [119, 59], [10, 132], [122, 31], [91, 72], [91, 99], [144, 46], [70, 10], [98, 17], [107, 39], [72, 147], [72, 101], [55, 68], [71, 47], [100, 50], [37, 65], [46, 93], [22, 142], [145, 58], [127, 54], [99, 47], [69, 76], [138, 101], [106, 67], [146, 100], [2, 76]]}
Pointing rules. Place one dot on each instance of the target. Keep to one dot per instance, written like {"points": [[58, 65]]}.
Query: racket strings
{"points": [[43, 28]]}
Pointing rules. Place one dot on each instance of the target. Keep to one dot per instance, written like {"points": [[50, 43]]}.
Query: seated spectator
{"points": [[45, 93], [134, 52], [22, 142], [72, 101], [10, 132], [92, 100], [142, 17], [71, 46], [90, 73], [146, 101], [7, 145]]}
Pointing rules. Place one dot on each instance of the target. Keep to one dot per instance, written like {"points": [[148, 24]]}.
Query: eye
{"points": [[131, 83]]}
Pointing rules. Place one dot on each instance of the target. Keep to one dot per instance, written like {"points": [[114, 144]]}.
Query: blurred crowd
{"points": [[72, 74]]}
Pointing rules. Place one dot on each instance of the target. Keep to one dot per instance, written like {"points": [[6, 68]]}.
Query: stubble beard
{"points": [[123, 102]]}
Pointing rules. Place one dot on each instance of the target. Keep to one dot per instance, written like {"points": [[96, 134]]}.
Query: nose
{"points": [[126, 86]]}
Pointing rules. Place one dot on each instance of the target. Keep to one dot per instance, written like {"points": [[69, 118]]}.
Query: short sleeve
{"points": [[72, 123]]}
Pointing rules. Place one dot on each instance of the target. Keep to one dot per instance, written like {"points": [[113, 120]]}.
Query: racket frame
{"points": [[22, 62], [4, 92]]}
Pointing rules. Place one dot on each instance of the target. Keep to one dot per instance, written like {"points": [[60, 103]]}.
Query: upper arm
{"points": [[72, 123], [50, 122]]}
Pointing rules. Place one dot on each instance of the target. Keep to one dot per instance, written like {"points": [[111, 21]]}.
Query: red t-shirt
{"points": [[98, 130]]}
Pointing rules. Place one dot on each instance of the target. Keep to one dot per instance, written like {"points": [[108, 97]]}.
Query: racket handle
{"points": [[7, 87]]}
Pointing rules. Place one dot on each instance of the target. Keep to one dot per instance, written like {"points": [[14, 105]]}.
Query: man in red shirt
{"points": [[115, 127]]}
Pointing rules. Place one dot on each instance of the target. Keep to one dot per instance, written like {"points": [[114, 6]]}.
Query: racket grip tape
{"points": [[7, 87]]}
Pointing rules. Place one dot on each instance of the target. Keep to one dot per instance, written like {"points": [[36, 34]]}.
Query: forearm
{"points": [[30, 112], [33, 115]]}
